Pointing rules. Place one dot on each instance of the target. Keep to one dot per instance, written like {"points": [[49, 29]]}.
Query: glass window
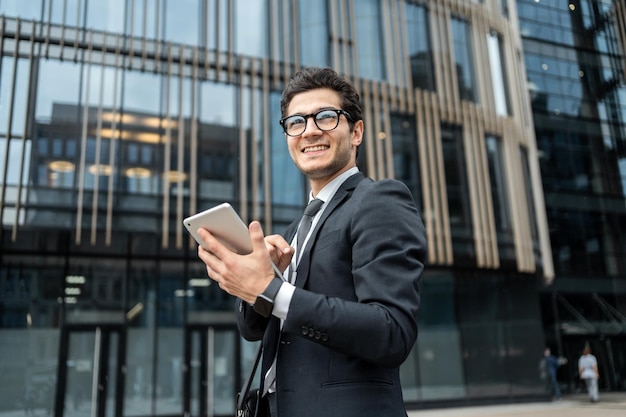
{"points": [[581, 242], [28, 328], [26, 10], [498, 74], [289, 186], [140, 357], [435, 368], [218, 142], [530, 200], [457, 193], [405, 154], [499, 312], [66, 12], [132, 153], [314, 33], [503, 5], [251, 20], [57, 84], [497, 179], [547, 20], [464, 59], [182, 21], [14, 96], [420, 49], [106, 16], [15, 158], [500, 198], [370, 42], [57, 147], [57, 116], [141, 18], [454, 158]]}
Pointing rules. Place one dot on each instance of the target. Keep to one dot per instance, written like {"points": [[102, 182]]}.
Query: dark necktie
{"points": [[305, 225], [307, 219]]}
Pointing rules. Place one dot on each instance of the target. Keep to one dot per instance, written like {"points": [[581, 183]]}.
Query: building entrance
{"points": [[91, 371], [212, 367], [610, 351]]}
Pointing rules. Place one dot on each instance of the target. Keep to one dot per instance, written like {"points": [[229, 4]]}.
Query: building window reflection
{"points": [[406, 153], [500, 198], [457, 192], [371, 53], [464, 59], [420, 49], [498, 74], [314, 33]]}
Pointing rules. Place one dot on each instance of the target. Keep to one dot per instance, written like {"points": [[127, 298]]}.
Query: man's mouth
{"points": [[315, 148]]}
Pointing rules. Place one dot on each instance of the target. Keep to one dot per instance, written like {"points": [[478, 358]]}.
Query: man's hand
{"points": [[280, 251], [244, 276]]}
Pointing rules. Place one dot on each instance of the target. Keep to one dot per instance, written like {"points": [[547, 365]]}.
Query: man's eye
{"points": [[326, 115], [295, 121]]}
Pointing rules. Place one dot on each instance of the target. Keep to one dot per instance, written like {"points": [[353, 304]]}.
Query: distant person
{"points": [[588, 372], [552, 364]]}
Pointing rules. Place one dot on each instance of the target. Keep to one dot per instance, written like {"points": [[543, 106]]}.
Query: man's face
{"points": [[322, 155]]}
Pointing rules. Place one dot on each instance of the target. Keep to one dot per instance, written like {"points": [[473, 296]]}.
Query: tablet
{"points": [[225, 224]]}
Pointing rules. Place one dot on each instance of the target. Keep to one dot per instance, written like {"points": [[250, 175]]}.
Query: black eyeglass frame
{"points": [[314, 115]]}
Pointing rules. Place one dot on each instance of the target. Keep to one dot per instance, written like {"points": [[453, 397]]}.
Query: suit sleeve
{"points": [[384, 237], [251, 325]]}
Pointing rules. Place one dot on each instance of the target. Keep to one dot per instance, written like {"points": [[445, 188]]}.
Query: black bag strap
{"points": [[246, 386]]}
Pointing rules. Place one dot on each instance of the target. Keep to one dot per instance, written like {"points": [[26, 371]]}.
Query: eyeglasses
{"points": [[325, 120]]}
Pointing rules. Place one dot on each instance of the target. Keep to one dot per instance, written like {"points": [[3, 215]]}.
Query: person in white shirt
{"points": [[588, 372]]}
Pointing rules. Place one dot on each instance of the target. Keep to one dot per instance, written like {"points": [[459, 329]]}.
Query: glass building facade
{"points": [[576, 71], [120, 118]]}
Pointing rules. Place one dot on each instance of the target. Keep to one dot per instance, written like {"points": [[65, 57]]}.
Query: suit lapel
{"points": [[344, 192]]}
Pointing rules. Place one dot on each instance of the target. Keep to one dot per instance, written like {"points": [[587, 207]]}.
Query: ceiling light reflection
{"points": [[61, 166], [137, 172]]}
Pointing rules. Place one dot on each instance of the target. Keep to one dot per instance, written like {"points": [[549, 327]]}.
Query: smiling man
{"points": [[343, 318]]}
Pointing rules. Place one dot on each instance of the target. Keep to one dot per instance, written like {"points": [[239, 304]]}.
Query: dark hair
{"points": [[314, 78]]}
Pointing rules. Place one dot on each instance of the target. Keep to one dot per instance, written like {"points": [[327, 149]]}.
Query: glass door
{"points": [[211, 367], [91, 369]]}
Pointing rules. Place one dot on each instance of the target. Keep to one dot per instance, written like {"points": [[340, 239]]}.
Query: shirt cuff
{"points": [[282, 300]]}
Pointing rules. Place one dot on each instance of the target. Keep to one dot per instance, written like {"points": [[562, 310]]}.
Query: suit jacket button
{"points": [[318, 335], [324, 337], [304, 330], [311, 332]]}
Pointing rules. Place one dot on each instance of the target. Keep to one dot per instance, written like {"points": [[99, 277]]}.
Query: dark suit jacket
{"points": [[352, 320]]}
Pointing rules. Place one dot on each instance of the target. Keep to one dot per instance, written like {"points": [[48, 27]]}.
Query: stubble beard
{"points": [[337, 163]]}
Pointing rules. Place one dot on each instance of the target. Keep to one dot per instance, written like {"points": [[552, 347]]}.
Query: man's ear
{"points": [[357, 133]]}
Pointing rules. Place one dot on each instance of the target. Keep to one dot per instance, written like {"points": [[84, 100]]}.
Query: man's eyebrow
{"points": [[315, 111]]}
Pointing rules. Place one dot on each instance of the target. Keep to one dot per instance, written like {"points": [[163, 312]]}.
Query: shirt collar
{"points": [[331, 188]]}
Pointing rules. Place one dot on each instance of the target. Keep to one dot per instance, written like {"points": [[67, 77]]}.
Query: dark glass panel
{"points": [[464, 59], [420, 49], [406, 154], [500, 200], [435, 369], [457, 194], [501, 333]]}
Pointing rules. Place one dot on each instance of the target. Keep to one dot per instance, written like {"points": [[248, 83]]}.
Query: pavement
{"points": [[611, 404]]}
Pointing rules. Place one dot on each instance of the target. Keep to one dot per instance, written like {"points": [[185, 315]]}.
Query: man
{"points": [[336, 331], [552, 365], [588, 371]]}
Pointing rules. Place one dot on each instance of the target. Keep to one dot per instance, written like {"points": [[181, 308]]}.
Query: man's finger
{"points": [[256, 236], [211, 244]]}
